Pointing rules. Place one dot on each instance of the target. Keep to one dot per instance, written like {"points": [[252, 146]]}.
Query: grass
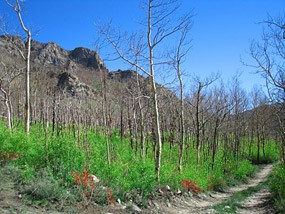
{"points": [[277, 187], [233, 203]]}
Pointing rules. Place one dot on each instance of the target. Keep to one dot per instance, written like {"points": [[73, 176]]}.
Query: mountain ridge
{"points": [[82, 64], [74, 71]]}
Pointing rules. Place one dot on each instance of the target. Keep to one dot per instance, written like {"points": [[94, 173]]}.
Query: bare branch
{"points": [[115, 41]]}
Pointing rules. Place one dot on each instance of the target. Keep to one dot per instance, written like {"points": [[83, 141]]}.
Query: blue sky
{"points": [[222, 29]]}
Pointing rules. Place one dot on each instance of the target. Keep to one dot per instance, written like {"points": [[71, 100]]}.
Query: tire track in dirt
{"points": [[258, 203]]}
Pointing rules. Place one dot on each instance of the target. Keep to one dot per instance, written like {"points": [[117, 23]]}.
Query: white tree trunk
{"points": [[17, 9], [154, 100], [27, 105], [182, 143], [8, 107]]}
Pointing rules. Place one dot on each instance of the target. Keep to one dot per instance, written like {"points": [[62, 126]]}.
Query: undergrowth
{"points": [[277, 187], [49, 162]]}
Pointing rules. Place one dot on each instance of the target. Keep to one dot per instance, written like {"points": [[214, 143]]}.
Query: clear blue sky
{"points": [[222, 30]]}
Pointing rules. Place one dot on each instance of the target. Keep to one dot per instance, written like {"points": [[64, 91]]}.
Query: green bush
{"points": [[244, 169], [268, 153], [277, 187], [42, 186], [216, 183]]}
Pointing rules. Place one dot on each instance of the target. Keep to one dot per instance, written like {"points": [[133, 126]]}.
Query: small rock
{"points": [[135, 208], [156, 205], [168, 204], [160, 191], [185, 194], [95, 179], [227, 207], [123, 207], [149, 202], [128, 196], [178, 192], [138, 199], [167, 187], [119, 201]]}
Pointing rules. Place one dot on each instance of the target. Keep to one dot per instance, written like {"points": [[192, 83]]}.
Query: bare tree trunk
{"points": [[105, 114], [182, 142], [179, 57], [141, 124], [135, 126], [154, 98], [17, 9], [130, 126], [157, 130], [215, 142], [27, 105], [197, 113], [8, 107], [142, 131], [53, 113], [121, 120]]}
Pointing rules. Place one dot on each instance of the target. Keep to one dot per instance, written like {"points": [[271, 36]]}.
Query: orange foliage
{"points": [[191, 186]]}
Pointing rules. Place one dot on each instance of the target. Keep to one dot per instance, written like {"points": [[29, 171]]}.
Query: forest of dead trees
{"points": [[206, 115]]}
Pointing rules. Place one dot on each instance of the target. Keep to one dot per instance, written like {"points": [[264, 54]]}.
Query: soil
{"points": [[258, 203], [10, 200]]}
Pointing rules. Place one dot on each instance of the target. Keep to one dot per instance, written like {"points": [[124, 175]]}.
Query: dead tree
{"points": [[199, 117], [178, 58], [160, 25], [17, 8], [269, 54]]}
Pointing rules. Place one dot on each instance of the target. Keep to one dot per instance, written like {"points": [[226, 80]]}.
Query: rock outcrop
{"points": [[73, 70], [70, 84], [87, 58], [49, 54]]}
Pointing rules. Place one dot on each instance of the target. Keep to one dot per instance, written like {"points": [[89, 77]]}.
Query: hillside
{"points": [[49, 61], [73, 71]]}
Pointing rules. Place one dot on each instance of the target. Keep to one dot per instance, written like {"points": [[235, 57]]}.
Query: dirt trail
{"points": [[255, 204], [10, 199]]}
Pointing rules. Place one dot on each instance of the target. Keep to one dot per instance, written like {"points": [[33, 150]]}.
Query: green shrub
{"points": [[277, 187], [268, 153], [40, 186], [216, 183], [243, 170]]}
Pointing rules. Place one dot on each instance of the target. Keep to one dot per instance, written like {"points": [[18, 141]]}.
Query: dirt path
{"points": [[10, 201], [257, 203], [254, 204]]}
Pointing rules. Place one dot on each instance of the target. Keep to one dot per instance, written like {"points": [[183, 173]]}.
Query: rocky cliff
{"points": [[75, 70]]}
